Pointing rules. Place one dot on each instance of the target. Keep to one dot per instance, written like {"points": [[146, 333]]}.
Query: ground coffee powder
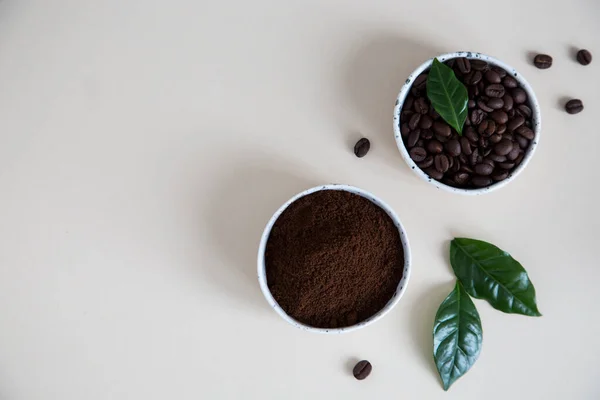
{"points": [[333, 259]]}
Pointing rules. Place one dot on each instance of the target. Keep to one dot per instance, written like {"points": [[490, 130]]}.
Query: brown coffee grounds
{"points": [[333, 259]]}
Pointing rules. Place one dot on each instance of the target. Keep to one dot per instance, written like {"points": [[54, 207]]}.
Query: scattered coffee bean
{"points": [[498, 129], [362, 369], [361, 148], [584, 57], [542, 61], [574, 106]]}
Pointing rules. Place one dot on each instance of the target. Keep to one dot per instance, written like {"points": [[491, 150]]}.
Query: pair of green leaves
{"points": [[448, 95], [485, 272]]}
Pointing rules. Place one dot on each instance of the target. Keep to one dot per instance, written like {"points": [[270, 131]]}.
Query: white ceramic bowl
{"points": [[262, 277], [536, 116]]}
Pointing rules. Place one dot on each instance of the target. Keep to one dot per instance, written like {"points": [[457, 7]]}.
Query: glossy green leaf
{"points": [[447, 94], [490, 273], [457, 336]]}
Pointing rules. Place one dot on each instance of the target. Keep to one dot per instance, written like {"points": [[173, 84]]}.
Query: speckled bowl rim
{"points": [[262, 277], [536, 115]]}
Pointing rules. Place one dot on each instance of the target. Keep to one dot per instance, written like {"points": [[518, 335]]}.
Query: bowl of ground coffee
{"points": [[499, 137], [333, 259]]}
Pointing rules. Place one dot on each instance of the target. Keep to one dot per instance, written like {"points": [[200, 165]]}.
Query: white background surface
{"points": [[144, 144]]}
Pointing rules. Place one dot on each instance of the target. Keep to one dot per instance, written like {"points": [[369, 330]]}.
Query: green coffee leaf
{"points": [[490, 273], [457, 336], [448, 95]]}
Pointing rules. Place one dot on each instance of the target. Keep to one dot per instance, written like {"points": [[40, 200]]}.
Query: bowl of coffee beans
{"points": [[492, 142], [333, 259]]}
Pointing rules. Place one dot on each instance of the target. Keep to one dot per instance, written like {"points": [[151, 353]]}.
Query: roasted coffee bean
{"points": [[471, 103], [496, 158], [574, 106], [523, 143], [515, 123], [495, 103], [461, 178], [492, 76], [404, 129], [472, 91], [477, 116], [421, 105], [503, 147], [415, 91], [465, 146], [482, 127], [481, 86], [499, 175], [524, 111], [425, 122], [499, 116], [584, 57], [414, 121], [405, 115], [483, 143], [474, 158], [420, 143], [481, 181], [501, 129], [453, 147], [542, 61], [426, 163], [465, 168], [506, 165], [491, 128], [495, 138], [434, 173], [473, 78], [487, 152], [514, 153], [479, 65], [420, 82], [481, 104], [442, 129], [501, 73], [361, 148], [484, 169], [508, 136], [494, 90], [455, 164], [441, 163], [418, 154], [442, 139], [519, 95], [463, 65], [526, 132], [408, 102], [434, 146], [511, 113], [362, 370], [509, 82], [433, 114], [426, 134], [471, 134], [519, 159], [413, 138], [508, 102]]}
